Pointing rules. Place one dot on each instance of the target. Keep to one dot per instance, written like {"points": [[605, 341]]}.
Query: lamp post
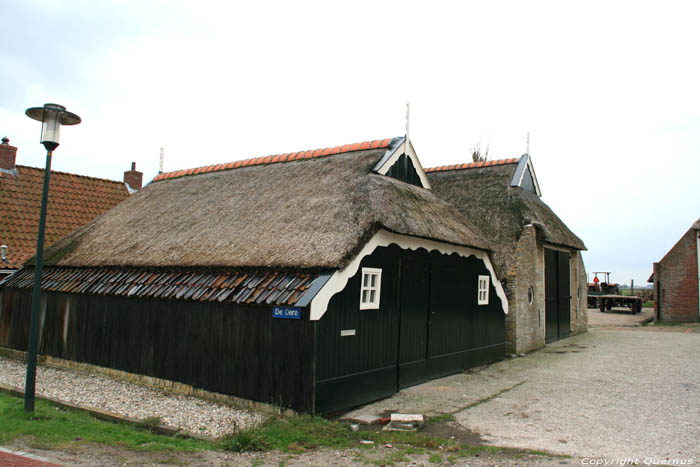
{"points": [[51, 116]]}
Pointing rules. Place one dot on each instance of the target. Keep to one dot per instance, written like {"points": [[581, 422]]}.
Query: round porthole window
{"points": [[530, 295]]}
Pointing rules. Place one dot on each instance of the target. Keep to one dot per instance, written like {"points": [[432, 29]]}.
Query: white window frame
{"points": [[483, 290], [370, 289]]}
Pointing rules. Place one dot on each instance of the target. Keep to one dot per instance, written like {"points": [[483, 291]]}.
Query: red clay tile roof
{"points": [[74, 200], [274, 159], [260, 287], [472, 165]]}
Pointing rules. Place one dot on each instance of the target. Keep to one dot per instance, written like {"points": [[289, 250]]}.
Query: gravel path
{"points": [[131, 400]]}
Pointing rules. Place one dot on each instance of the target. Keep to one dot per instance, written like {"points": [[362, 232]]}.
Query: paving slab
{"points": [[407, 417], [9, 458]]}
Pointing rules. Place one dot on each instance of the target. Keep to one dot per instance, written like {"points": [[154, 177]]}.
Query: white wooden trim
{"points": [[340, 278], [405, 148], [532, 174]]}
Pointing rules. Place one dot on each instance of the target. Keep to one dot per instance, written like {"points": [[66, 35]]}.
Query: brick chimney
{"points": [[8, 155], [133, 177]]}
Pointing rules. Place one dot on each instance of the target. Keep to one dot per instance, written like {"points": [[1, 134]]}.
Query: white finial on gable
{"points": [[527, 147], [408, 117], [162, 160]]}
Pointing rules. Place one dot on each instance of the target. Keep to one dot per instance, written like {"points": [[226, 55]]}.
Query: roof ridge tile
{"points": [[68, 174], [471, 165], [276, 158]]}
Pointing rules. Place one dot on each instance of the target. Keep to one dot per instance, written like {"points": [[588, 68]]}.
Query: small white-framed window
{"points": [[370, 287], [483, 297]]}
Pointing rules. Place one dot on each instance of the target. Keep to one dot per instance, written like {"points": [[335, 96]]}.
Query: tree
{"points": [[478, 155]]}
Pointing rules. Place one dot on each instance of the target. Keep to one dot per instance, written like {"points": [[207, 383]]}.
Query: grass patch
{"points": [[301, 433], [667, 323], [55, 427], [290, 434], [446, 417], [149, 423]]}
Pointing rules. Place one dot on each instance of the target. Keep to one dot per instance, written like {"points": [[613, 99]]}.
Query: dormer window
{"points": [[525, 177], [404, 170], [401, 162]]}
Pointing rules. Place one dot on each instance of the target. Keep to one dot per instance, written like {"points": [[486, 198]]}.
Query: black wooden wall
{"points": [[428, 325], [239, 350], [404, 170]]}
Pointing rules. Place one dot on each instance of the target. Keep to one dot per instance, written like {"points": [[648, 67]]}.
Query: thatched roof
{"points": [[484, 195], [304, 213]]}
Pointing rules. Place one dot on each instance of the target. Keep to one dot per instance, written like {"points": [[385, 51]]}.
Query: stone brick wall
{"points": [[579, 294], [525, 323], [677, 275], [133, 177]]}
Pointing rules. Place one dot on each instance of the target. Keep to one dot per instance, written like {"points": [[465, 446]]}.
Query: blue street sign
{"points": [[286, 312]]}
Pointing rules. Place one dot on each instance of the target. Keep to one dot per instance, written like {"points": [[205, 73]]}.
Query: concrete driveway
{"points": [[617, 317], [622, 394]]}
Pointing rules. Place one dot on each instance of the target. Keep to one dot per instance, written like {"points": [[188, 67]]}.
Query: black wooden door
{"points": [[413, 328], [551, 302], [557, 295], [564, 294]]}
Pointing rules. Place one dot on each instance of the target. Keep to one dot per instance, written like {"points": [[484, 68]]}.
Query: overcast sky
{"points": [[609, 92]]}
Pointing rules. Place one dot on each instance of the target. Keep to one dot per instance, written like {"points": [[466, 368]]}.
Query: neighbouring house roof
{"points": [[488, 195], [259, 287], [695, 226], [74, 200], [305, 210]]}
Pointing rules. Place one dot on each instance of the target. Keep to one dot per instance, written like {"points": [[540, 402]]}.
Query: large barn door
{"points": [[557, 295], [413, 334], [551, 303], [564, 294]]}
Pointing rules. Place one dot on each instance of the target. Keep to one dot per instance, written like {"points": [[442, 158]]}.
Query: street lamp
{"points": [[51, 116]]}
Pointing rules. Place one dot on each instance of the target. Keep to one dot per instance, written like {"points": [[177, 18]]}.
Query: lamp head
{"points": [[52, 116]]}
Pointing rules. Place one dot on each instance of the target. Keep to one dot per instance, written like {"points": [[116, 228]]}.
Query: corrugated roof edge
{"points": [[258, 287], [278, 158], [472, 165]]}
